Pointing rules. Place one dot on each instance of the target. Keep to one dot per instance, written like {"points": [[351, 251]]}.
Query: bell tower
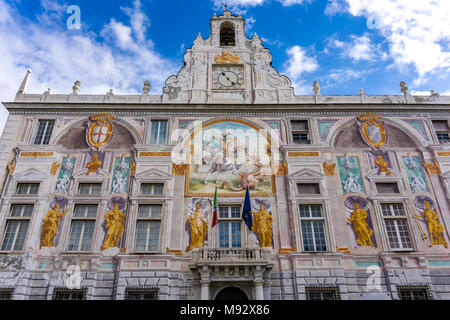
{"points": [[228, 67]]}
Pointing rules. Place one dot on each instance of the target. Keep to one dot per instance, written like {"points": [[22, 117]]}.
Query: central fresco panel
{"points": [[231, 154]]}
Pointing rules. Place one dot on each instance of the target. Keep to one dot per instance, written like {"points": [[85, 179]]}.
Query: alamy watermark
{"points": [[374, 279], [74, 20]]}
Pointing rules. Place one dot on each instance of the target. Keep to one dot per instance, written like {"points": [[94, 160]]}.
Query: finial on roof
{"points": [[146, 88], [361, 91], [24, 85], [76, 87], [110, 92], [403, 88], [48, 91], [434, 94], [316, 87]]}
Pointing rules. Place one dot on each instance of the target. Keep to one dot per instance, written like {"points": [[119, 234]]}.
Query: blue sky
{"points": [[344, 44]]}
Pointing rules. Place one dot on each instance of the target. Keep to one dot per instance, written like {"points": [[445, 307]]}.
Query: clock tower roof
{"points": [[228, 48]]}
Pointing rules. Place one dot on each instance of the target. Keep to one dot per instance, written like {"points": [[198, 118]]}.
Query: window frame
{"points": [[243, 226], [21, 218], [63, 290], [141, 289], [439, 131], [141, 184], [408, 224], [412, 287], [321, 289], [294, 131], [151, 123], [36, 130], [80, 183], [161, 226], [30, 183], [85, 219], [324, 220]]}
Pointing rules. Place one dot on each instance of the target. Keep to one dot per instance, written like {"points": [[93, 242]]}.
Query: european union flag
{"points": [[247, 211]]}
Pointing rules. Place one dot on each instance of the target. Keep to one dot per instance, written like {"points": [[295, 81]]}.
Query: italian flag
{"points": [[214, 217]]}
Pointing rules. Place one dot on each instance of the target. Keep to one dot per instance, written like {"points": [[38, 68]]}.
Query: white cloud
{"points": [[418, 31], [249, 22], [339, 77], [298, 64], [292, 2], [358, 49], [233, 5], [120, 57]]}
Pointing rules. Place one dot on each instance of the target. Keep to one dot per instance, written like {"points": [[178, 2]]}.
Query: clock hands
{"points": [[225, 75]]}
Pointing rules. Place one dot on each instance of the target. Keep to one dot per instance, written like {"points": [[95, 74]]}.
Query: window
{"points": [[158, 132], [152, 189], [442, 130], [27, 188], [141, 293], [89, 188], [44, 131], [312, 225], [17, 227], [230, 227], [323, 293], [148, 227], [6, 293], [387, 187], [308, 188], [396, 226], [300, 131], [83, 226], [69, 294], [413, 292], [227, 35]]}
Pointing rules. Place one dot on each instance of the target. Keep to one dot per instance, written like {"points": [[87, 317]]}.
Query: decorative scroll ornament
{"points": [[54, 168], [329, 168], [372, 130], [433, 168], [227, 58], [282, 169], [11, 167], [100, 130]]}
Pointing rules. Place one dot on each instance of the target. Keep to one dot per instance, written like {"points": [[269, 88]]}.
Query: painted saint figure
{"points": [[434, 227], [361, 227], [93, 165], [262, 226], [62, 184], [198, 227], [119, 183], [351, 184], [50, 228], [115, 223], [383, 165], [417, 184]]}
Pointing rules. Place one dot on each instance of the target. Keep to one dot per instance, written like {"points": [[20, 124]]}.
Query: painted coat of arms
{"points": [[372, 130], [100, 130]]}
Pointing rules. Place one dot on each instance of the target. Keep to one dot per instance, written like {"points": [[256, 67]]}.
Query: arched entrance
{"points": [[231, 293]]}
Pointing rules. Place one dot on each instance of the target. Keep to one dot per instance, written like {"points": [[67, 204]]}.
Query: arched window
{"points": [[227, 35]]}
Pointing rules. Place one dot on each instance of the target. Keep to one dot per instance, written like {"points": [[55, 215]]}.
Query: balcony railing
{"points": [[230, 255]]}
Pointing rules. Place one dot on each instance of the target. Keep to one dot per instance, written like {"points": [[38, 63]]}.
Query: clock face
{"points": [[228, 77]]}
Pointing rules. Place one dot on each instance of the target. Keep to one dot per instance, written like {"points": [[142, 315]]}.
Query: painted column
{"points": [[204, 289], [259, 290]]}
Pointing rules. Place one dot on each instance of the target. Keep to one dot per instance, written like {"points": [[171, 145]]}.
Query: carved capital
{"points": [[432, 168], [179, 169], [282, 170], [328, 168], [54, 168]]}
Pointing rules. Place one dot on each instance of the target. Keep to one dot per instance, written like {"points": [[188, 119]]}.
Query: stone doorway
{"points": [[231, 293]]}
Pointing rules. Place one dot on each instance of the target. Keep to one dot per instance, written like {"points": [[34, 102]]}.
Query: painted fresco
{"points": [[65, 172], [351, 180], [416, 176], [121, 174], [232, 155]]}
